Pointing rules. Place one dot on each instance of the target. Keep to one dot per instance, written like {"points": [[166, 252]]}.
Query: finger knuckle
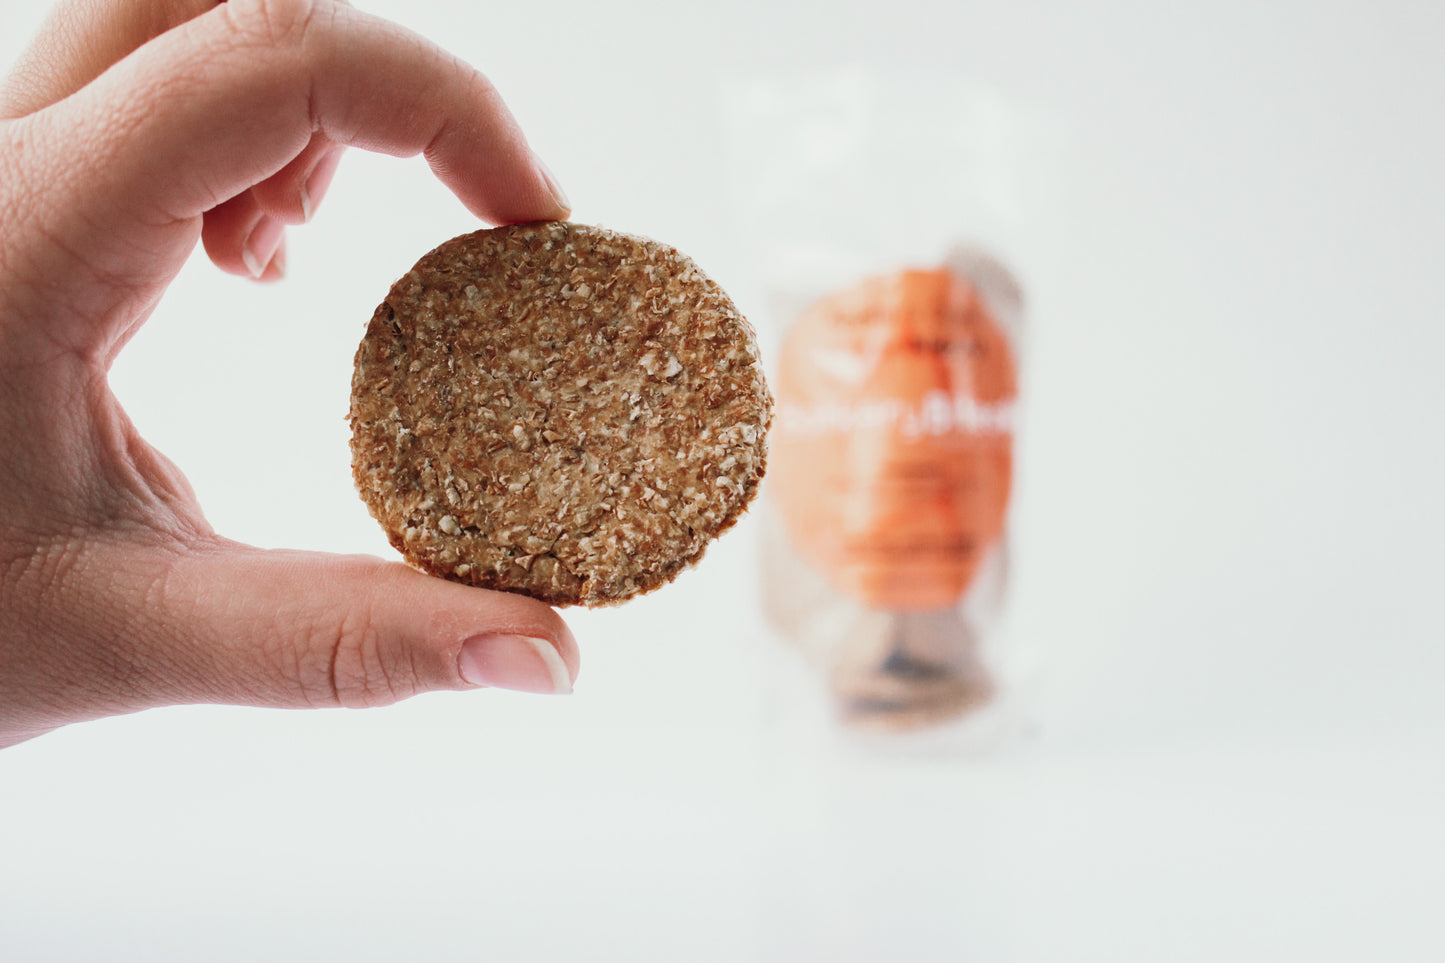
{"points": [[355, 667], [273, 22]]}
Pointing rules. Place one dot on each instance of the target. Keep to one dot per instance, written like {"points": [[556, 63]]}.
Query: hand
{"points": [[130, 130]]}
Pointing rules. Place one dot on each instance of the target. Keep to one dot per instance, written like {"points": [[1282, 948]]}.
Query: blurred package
{"points": [[877, 213]]}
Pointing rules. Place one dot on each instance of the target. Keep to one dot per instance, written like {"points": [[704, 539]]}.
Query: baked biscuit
{"points": [[557, 410]]}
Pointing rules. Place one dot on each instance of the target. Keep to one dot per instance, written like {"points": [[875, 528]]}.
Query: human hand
{"points": [[130, 130]]}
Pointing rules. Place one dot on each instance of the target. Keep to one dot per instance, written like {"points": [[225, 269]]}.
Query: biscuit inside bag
{"points": [[892, 462]]}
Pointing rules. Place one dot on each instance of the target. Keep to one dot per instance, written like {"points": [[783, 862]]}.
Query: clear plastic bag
{"points": [[872, 208]]}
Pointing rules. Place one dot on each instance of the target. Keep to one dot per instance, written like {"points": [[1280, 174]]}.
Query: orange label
{"points": [[892, 450]]}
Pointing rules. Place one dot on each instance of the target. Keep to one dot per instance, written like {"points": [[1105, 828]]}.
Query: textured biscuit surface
{"points": [[557, 410]]}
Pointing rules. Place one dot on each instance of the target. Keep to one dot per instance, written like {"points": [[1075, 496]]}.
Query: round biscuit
{"points": [[558, 410]]}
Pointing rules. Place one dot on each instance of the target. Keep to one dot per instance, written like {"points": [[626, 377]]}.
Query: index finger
{"points": [[212, 107]]}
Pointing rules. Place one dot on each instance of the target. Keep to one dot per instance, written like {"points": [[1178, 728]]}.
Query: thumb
{"points": [[120, 624], [302, 629]]}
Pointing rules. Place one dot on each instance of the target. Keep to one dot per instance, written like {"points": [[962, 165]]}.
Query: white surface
{"points": [[1229, 552]]}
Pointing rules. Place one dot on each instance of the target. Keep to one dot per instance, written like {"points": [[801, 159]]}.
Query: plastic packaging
{"points": [[893, 337]]}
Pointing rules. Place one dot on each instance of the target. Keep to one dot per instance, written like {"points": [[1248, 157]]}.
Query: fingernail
{"points": [[317, 181], [559, 196], [514, 662], [261, 246], [252, 264]]}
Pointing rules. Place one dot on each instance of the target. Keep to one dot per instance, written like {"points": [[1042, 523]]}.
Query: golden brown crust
{"points": [[557, 410]]}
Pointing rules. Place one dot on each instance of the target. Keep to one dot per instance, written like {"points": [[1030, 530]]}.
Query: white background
{"points": [[1228, 540]]}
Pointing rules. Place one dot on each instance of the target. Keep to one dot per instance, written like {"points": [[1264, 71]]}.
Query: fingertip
{"points": [[242, 239], [275, 269], [319, 181], [566, 645], [562, 207], [518, 662], [514, 615], [458, 615], [253, 266], [260, 246], [503, 182], [293, 194]]}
